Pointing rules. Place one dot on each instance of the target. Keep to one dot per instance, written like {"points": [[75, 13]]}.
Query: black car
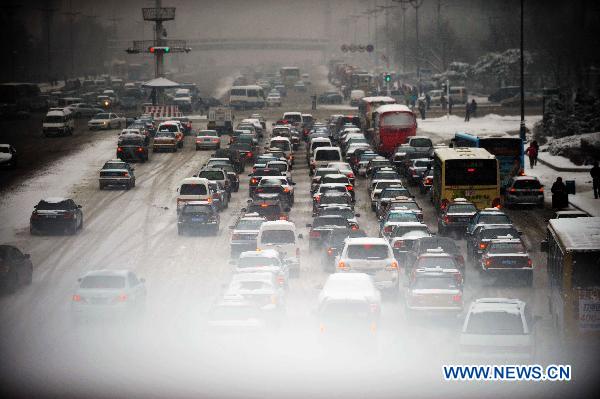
{"points": [[456, 216], [245, 151], [257, 175], [271, 209], [132, 147], [322, 226], [332, 198], [482, 235], [196, 216], [421, 246], [56, 214], [335, 243], [236, 158], [16, 268]]}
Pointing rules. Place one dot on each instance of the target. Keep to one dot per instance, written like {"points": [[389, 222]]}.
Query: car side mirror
{"points": [[519, 232], [287, 209], [293, 183], [544, 246], [243, 209], [308, 224], [79, 206], [300, 236], [357, 215]]}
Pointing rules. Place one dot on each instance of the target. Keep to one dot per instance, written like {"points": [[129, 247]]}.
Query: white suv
{"points": [[498, 329], [372, 256]]}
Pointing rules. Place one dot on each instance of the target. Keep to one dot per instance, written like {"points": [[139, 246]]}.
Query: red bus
{"points": [[392, 124]]}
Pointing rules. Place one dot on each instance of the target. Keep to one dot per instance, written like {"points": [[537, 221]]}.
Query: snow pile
{"points": [[581, 149], [487, 125]]}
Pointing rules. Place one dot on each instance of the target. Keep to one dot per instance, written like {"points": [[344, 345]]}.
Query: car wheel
{"points": [[33, 231], [13, 283], [179, 230], [101, 186]]}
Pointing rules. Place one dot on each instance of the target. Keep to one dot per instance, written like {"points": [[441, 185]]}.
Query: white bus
{"points": [[246, 97]]}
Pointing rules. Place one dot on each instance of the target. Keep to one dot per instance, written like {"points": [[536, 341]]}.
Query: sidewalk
{"points": [[550, 167]]}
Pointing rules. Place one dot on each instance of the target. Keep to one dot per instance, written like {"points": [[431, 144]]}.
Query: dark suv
{"points": [[271, 209], [456, 216], [132, 147], [15, 268], [56, 214], [196, 216]]}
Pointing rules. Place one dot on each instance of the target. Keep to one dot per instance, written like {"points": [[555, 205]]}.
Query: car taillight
{"points": [[215, 196], [140, 149], [341, 265], [286, 190], [496, 203], [215, 140], [388, 229], [76, 298], [457, 298], [35, 216], [249, 155], [68, 215], [329, 251], [444, 204], [428, 181], [460, 259], [318, 198], [399, 244], [482, 245], [541, 190], [394, 265], [119, 149], [253, 181], [513, 190], [350, 187], [529, 263], [354, 227], [121, 298], [315, 234], [350, 175], [446, 219], [283, 217], [487, 262], [280, 280], [125, 174]]}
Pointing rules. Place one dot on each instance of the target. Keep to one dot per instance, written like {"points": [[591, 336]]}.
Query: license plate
{"points": [[198, 219], [50, 216], [206, 139], [509, 262]]}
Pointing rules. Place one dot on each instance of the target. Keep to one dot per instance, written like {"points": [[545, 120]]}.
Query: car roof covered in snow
{"points": [[577, 234]]}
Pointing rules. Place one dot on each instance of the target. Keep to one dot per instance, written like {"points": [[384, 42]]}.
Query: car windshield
{"points": [[212, 174], [211, 133], [241, 147], [349, 312], [282, 167], [462, 208], [101, 116], [345, 213], [323, 172], [495, 323], [446, 244], [330, 221], [169, 128], [115, 165], [411, 206], [393, 193], [493, 219], [54, 119], [4, 150], [327, 155], [399, 231], [493, 233], [368, 251], [386, 175], [249, 224], [278, 237], [197, 209], [103, 282], [327, 189], [52, 206], [264, 209], [422, 164], [421, 143], [193, 189], [435, 283], [281, 144], [527, 184], [257, 261], [506, 248], [334, 199], [445, 262], [402, 217], [334, 179], [165, 134]]}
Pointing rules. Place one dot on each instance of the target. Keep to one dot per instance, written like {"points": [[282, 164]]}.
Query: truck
{"points": [[221, 120]]}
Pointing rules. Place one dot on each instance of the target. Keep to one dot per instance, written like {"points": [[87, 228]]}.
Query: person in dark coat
{"points": [[560, 198], [532, 153], [422, 108], [450, 104], [467, 112], [473, 110], [595, 173], [428, 101], [443, 102]]}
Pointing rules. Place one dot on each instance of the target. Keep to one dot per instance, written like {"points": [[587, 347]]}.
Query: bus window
{"points": [[480, 172]]}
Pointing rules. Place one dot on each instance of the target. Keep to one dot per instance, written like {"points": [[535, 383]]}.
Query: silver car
{"points": [[372, 256], [208, 139], [524, 190]]}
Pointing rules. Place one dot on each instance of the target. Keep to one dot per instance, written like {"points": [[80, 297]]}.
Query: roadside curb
{"points": [[579, 208]]}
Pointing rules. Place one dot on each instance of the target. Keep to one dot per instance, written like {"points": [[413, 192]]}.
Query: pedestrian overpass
{"points": [[224, 44]]}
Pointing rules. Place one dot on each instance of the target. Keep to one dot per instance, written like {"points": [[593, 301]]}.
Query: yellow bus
{"points": [[573, 248], [465, 172]]}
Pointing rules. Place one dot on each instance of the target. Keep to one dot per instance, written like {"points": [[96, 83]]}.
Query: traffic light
{"points": [[388, 77], [163, 50]]}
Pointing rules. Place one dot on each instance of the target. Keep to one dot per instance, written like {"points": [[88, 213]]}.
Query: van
{"points": [[355, 96], [192, 189], [220, 119], [58, 122], [458, 94], [281, 236], [294, 118], [245, 97], [323, 155], [314, 144]]}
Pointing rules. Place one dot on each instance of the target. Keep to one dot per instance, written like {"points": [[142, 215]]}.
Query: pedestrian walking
{"points": [[532, 153], [443, 102], [450, 104], [422, 107], [428, 101], [560, 198], [473, 111], [595, 173], [467, 112]]}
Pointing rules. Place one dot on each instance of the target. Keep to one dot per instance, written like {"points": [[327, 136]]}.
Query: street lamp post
{"points": [[522, 127]]}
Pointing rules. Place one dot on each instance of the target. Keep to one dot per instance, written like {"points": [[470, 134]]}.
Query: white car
{"points": [[260, 288], [498, 329], [268, 260], [281, 236], [106, 120], [273, 101], [373, 256], [339, 284], [8, 156], [108, 293]]}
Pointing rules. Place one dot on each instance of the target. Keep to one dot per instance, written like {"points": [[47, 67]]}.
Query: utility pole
{"points": [[71, 15], [47, 10], [522, 127]]}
